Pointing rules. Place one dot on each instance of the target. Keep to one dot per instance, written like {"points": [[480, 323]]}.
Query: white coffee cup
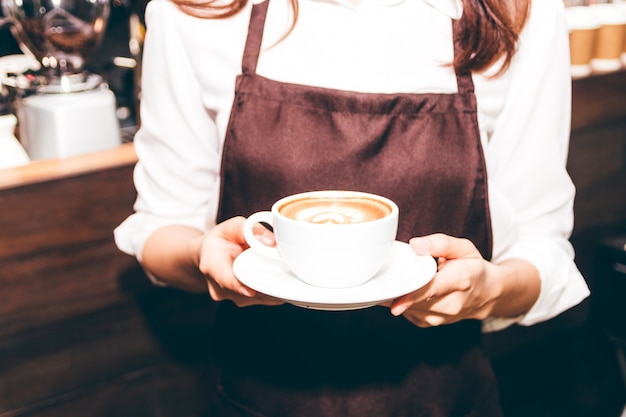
{"points": [[331, 239]]}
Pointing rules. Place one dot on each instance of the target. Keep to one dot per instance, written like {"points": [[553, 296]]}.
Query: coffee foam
{"points": [[335, 210]]}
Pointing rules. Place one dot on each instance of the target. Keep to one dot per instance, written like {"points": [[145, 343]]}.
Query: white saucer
{"points": [[403, 273]]}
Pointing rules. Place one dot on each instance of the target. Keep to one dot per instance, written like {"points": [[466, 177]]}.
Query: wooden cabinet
{"points": [[82, 332], [597, 160]]}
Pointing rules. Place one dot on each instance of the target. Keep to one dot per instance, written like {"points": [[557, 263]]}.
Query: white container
{"points": [[68, 124], [12, 153]]}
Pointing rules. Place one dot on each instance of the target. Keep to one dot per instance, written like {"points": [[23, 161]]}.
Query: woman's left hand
{"points": [[464, 287]]}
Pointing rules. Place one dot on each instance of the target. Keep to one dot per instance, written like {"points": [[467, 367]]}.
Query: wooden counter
{"points": [[42, 171], [83, 332]]}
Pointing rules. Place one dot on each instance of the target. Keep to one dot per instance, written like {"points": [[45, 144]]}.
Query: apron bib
{"points": [[421, 150]]}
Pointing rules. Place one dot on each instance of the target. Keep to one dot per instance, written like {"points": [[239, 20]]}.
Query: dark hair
{"points": [[489, 28]]}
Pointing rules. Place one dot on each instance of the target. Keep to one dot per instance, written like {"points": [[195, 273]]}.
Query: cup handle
{"points": [[255, 244]]}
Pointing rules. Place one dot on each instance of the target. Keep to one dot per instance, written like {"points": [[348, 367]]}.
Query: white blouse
{"points": [[378, 46]]}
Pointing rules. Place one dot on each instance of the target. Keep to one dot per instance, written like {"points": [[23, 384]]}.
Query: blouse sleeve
{"points": [[527, 156], [177, 143]]}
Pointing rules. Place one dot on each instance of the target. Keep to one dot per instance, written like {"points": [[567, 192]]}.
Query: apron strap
{"points": [[464, 81], [255, 36]]}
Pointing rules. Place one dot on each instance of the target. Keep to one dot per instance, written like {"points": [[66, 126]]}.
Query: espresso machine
{"points": [[62, 109]]}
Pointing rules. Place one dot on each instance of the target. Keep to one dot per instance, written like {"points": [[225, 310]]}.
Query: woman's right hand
{"points": [[217, 250]]}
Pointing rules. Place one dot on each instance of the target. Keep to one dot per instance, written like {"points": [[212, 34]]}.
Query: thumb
{"points": [[444, 246], [232, 229]]}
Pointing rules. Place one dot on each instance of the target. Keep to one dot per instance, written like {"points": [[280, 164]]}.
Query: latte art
{"points": [[335, 214], [335, 210]]}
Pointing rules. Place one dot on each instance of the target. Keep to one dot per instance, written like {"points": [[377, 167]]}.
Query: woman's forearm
{"points": [[520, 288], [171, 254]]}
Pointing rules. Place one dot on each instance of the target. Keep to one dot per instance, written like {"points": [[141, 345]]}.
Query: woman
{"points": [[458, 111]]}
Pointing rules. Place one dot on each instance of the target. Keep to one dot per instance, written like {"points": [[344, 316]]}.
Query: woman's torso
{"points": [[421, 150], [390, 47]]}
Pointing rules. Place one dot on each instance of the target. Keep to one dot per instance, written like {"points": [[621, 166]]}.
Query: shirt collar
{"points": [[451, 8]]}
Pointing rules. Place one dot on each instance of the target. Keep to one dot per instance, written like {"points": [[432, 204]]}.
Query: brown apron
{"points": [[421, 150]]}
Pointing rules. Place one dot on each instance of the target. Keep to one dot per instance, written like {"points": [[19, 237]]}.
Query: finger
{"points": [[232, 230], [427, 319], [218, 262], [401, 305], [440, 245], [261, 298], [224, 280], [264, 235], [427, 298], [423, 295]]}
